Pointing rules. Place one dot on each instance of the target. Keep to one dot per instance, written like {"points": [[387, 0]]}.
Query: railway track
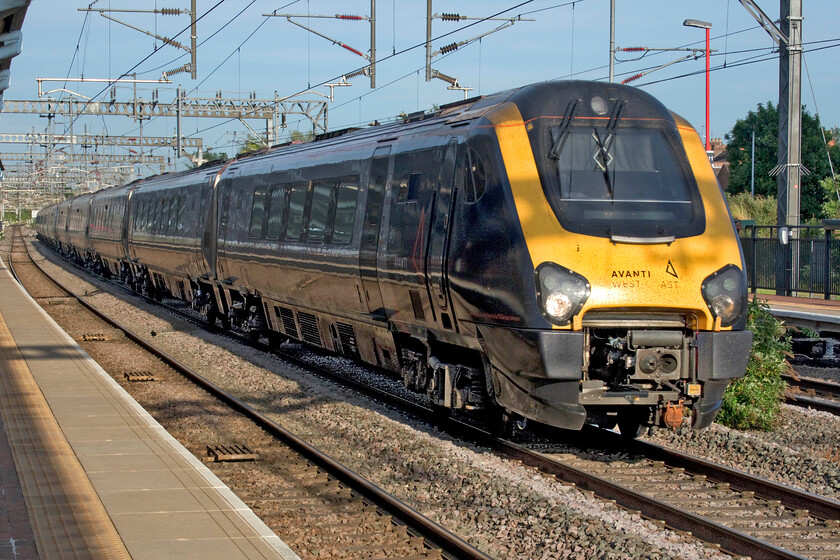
{"points": [[813, 393], [286, 481], [743, 514]]}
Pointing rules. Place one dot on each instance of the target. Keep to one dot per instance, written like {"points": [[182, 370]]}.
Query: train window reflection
{"points": [[258, 212], [627, 178], [182, 206], [319, 211], [297, 205], [275, 212], [345, 212], [173, 214]]}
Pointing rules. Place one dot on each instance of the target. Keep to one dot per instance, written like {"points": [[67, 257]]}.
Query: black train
{"points": [[560, 252]]}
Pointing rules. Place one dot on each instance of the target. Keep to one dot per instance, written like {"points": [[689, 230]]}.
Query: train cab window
{"points": [[276, 207], [477, 177], [319, 210], [255, 229], [631, 179], [345, 211], [296, 208]]}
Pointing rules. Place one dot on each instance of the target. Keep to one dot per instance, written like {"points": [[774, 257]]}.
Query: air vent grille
{"points": [[309, 329], [288, 317], [347, 336]]}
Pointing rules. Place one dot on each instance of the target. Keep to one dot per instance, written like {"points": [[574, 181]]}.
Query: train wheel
{"points": [[209, 316], [508, 425]]}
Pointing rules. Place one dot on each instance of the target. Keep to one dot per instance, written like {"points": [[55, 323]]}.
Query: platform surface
{"points": [[818, 314], [87, 473]]}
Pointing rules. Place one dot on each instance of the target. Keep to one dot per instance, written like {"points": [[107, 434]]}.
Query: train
{"points": [[559, 253]]}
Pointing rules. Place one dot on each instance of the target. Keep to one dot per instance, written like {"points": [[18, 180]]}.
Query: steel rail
{"points": [[811, 384], [796, 399], [819, 506], [451, 544], [830, 389], [729, 539]]}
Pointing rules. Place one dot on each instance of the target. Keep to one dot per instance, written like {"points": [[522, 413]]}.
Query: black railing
{"points": [[802, 259]]}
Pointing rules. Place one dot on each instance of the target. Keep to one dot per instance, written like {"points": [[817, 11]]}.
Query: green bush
{"points": [[753, 402]]}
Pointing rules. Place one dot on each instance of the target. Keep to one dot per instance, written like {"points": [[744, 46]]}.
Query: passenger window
{"points": [[143, 216], [297, 205], [319, 211], [159, 209], [345, 211], [182, 206], [275, 212], [258, 213], [155, 206], [174, 206]]}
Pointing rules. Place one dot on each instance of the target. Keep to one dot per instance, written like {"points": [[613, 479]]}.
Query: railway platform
{"points": [[87, 473], [817, 314]]}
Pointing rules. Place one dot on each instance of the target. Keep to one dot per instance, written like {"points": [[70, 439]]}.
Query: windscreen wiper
{"points": [[603, 157], [560, 133]]}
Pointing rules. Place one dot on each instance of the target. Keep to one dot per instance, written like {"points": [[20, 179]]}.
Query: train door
{"points": [[438, 244], [225, 192], [129, 215], [371, 228], [207, 209]]}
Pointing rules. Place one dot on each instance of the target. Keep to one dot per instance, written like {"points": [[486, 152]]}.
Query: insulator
{"points": [[363, 72], [450, 17], [345, 16], [174, 43], [178, 70], [449, 48], [634, 49], [352, 50], [631, 78], [170, 11]]}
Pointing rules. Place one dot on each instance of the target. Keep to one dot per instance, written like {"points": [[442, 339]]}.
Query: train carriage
{"points": [[560, 252], [107, 231], [73, 227], [166, 221]]}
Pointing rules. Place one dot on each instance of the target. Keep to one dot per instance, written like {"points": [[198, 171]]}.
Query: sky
{"points": [[243, 53]]}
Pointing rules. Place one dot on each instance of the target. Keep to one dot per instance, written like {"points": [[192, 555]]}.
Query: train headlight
{"points": [[562, 292], [725, 293]]}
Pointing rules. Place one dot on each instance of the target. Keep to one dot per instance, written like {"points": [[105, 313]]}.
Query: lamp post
{"points": [[708, 27]]}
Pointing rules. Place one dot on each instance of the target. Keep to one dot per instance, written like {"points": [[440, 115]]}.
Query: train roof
{"points": [[544, 99]]}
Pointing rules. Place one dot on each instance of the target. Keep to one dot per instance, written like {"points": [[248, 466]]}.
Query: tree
{"points": [[298, 136], [251, 144], [831, 206], [765, 121]]}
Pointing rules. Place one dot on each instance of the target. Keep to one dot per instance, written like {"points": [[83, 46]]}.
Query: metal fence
{"points": [[802, 259]]}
